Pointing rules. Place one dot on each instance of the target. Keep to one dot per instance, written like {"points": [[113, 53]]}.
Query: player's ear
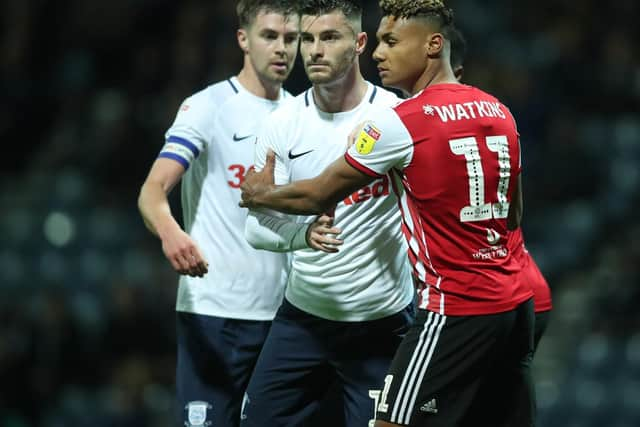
{"points": [[243, 40], [434, 45], [361, 42]]}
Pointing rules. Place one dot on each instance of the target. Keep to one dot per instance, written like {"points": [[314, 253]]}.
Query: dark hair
{"points": [[247, 10], [350, 8], [458, 47], [433, 10]]}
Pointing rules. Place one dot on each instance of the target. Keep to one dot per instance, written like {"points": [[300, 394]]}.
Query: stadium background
{"points": [[87, 91]]}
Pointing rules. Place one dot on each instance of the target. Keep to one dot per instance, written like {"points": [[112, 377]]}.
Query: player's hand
{"points": [[258, 183], [184, 255], [353, 135], [321, 234]]}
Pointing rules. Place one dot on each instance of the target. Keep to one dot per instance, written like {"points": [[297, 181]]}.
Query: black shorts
{"points": [[445, 363], [542, 320]]}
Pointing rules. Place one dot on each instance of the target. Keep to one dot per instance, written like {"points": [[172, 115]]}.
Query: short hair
{"points": [[352, 9], [247, 10], [434, 10], [458, 47]]}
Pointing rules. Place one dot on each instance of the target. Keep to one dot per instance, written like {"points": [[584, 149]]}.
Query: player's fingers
{"points": [[193, 266], [181, 263], [321, 229], [322, 247], [202, 268], [270, 163], [328, 240], [324, 238], [325, 220], [245, 197], [201, 265]]}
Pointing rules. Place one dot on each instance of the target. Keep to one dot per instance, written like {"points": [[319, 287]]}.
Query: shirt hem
{"points": [[228, 315], [350, 318], [478, 309]]}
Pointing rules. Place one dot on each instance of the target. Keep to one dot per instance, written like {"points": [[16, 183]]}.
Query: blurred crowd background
{"points": [[87, 90]]}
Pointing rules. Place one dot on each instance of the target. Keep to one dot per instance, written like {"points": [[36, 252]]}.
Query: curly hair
{"points": [[247, 10], [418, 8], [350, 8]]}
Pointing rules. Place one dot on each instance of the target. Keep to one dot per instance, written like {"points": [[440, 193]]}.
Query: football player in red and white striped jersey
{"points": [[454, 153]]}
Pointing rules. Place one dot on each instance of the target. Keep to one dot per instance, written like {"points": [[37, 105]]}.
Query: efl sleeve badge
{"points": [[367, 138]]}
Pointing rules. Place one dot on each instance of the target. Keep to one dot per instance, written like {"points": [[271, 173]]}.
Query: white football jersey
{"points": [[213, 137], [370, 277]]}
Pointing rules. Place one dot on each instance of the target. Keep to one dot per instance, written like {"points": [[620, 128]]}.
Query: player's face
{"points": [[401, 52], [272, 44], [328, 45]]}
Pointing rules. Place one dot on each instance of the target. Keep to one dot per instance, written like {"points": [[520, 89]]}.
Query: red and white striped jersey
{"points": [[455, 156], [530, 273]]}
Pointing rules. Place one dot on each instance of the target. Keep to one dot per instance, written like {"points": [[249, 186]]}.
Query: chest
{"points": [[316, 142]]}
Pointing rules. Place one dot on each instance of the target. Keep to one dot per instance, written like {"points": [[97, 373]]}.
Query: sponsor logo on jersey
{"points": [[367, 138], [430, 407], [240, 138], [197, 414], [491, 253], [493, 237], [295, 156]]}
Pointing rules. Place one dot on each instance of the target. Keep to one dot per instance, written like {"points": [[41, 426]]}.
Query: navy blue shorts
{"points": [[305, 356], [215, 359]]}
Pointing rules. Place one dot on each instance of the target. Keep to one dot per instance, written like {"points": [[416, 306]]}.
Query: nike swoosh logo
{"points": [[240, 138], [295, 156]]}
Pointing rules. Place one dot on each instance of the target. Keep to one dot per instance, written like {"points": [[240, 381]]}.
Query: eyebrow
{"points": [[323, 33], [274, 31]]}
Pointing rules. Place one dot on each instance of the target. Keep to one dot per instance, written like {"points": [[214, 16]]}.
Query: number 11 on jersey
{"points": [[478, 209]]}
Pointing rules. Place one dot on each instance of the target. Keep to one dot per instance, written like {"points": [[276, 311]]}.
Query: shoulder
{"points": [[382, 96], [409, 106], [211, 97]]}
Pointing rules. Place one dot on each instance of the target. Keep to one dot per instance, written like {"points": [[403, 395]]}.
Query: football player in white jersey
{"points": [[346, 307], [228, 291]]}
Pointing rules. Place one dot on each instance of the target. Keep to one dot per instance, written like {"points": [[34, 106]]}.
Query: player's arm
{"points": [[517, 206], [153, 203], [271, 230], [305, 197], [275, 233]]}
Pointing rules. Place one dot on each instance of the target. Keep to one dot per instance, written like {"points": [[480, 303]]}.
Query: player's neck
{"points": [[341, 95], [263, 88], [435, 73]]}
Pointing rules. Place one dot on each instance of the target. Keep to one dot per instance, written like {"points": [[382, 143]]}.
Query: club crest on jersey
{"points": [[197, 414], [368, 137]]}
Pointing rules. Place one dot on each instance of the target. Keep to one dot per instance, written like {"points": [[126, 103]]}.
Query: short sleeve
{"points": [[383, 143], [191, 131]]}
